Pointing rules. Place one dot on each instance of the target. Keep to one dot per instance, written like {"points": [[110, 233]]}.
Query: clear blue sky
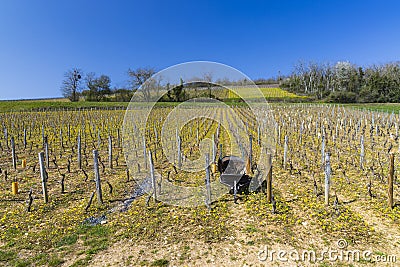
{"points": [[42, 39]]}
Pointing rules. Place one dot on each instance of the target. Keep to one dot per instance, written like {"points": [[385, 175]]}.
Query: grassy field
{"points": [[385, 107]]}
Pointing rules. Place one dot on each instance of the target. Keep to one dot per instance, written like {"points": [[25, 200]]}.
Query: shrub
{"points": [[342, 97]]}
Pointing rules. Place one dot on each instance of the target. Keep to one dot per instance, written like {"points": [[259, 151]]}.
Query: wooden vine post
{"points": [[153, 178], [362, 152], [119, 138], [43, 175], [269, 178], [110, 152], [301, 132], [197, 133], [97, 176], [14, 157], [79, 152], [179, 144], [43, 134], [285, 149], [61, 138], [127, 174], [323, 156], [6, 136], [390, 181], [98, 139], [327, 177], [208, 184], [214, 153], [235, 191], [144, 154], [251, 150], [25, 143], [46, 151], [30, 201]]}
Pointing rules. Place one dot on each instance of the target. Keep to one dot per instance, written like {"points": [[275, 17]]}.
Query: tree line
{"points": [[92, 87], [345, 82], [342, 82]]}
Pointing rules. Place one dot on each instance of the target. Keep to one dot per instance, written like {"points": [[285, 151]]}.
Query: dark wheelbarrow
{"points": [[233, 174]]}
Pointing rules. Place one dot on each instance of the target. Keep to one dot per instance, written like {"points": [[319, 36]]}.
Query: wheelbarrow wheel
{"points": [[242, 186]]}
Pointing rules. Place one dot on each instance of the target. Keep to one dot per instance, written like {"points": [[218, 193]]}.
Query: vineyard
{"points": [[58, 160], [271, 93]]}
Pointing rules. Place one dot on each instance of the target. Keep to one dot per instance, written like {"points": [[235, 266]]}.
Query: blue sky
{"points": [[42, 39]]}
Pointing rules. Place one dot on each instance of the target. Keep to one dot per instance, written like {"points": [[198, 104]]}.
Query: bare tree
{"points": [[139, 77], [302, 73], [71, 83], [208, 77], [343, 72]]}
